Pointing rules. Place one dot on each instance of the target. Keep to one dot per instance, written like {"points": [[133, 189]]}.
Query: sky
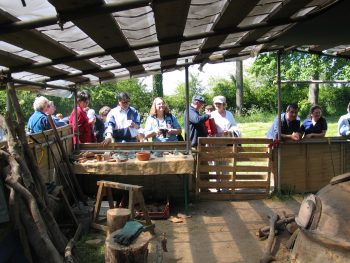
{"points": [[172, 79]]}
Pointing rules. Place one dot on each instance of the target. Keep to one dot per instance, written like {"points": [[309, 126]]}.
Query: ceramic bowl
{"points": [[143, 156]]}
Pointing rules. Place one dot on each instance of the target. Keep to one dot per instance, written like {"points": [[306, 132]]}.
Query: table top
{"points": [[182, 164]]}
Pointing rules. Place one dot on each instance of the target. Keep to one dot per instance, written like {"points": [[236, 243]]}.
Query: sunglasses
{"points": [[125, 101]]}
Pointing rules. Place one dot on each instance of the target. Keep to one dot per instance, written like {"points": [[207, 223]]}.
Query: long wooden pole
{"points": [[279, 120], [81, 195]]}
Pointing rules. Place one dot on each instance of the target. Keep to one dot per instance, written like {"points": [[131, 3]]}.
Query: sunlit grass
{"points": [[259, 129]]}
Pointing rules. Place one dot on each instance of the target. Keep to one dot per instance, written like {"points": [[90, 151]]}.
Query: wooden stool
{"points": [[135, 196], [136, 252]]}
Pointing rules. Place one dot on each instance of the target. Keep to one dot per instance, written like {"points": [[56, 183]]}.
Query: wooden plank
{"points": [[239, 156], [217, 168], [217, 184], [252, 184], [252, 149], [117, 185], [98, 202], [221, 140], [134, 146], [232, 184], [232, 197]]}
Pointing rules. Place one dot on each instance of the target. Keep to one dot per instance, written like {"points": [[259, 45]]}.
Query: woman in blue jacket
{"points": [[161, 125]]}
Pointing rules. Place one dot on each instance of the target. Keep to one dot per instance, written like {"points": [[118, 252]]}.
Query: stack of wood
{"points": [[29, 205], [276, 224]]}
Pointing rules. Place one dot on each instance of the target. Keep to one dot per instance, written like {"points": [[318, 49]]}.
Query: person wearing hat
{"points": [[123, 121], [196, 120], [225, 122]]}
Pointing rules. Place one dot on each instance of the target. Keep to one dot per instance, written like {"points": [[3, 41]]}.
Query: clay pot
{"points": [[143, 156]]}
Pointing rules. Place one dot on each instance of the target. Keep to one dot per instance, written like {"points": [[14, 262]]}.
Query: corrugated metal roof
{"points": [[64, 42]]}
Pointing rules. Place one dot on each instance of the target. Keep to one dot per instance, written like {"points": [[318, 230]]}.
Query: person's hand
{"points": [[295, 136], [133, 125], [106, 141], [172, 131]]}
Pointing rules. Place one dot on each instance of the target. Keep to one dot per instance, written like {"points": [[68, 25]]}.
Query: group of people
{"points": [[123, 123], [314, 126], [225, 123]]}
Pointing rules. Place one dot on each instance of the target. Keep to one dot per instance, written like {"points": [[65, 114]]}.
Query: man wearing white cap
{"points": [[225, 122]]}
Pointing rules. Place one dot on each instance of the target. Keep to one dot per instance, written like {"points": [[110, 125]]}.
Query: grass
{"points": [[259, 129], [90, 253]]}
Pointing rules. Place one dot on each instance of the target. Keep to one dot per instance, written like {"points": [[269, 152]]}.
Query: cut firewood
{"points": [[268, 257]]}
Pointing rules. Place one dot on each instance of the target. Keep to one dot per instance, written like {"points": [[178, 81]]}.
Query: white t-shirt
{"points": [[225, 123]]}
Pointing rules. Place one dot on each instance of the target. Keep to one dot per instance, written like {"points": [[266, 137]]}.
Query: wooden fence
{"points": [[233, 168], [46, 152]]}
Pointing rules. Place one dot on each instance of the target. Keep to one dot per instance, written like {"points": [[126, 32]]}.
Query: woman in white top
{"points": [[225, 122]]}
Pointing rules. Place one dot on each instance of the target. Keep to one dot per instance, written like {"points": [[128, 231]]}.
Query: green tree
{"points": [[299, 66], [177, 102], [105, 94]]}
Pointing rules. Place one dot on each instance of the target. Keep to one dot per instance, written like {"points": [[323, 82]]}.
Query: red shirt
{"points": [[85, 128]]}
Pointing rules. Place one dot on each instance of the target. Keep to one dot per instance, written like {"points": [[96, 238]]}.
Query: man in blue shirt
{"points": [[344, 123], [196, 120], [290, 125], [123, 121]]}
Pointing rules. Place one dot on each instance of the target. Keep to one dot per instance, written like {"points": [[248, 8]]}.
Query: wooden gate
{"points": [[233, 168]]}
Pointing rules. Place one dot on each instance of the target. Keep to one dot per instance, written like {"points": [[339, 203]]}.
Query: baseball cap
{"points": [[198, 98], [219, 99]]}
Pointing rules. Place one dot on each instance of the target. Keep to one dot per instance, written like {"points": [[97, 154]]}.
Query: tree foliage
{"points": [[301, 66]]}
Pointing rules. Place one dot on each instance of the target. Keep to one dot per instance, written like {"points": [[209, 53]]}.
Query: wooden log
{"points": [[268, 257], [136, 252], [116, 218]]}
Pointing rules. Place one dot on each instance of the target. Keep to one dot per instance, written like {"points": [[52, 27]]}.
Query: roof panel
{"points": [[100, 40]]}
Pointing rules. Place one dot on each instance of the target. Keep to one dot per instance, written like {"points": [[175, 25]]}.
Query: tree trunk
{"points": [[116, 218], [158, 85], [239, 87], [313, 90], [136, 252]]}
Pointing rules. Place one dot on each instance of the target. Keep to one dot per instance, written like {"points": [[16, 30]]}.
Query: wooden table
{"points": [[167, 166]]}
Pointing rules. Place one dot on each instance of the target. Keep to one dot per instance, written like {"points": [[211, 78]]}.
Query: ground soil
{"points": [[223, 231]]}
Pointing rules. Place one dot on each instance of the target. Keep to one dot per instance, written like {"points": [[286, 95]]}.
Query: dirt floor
{"points": [[223, 231]]}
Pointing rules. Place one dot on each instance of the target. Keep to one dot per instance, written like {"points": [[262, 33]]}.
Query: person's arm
{"points": [[316, 135], [233, 125], [343, 127], [110, 123], [151, 129], [196, 118], [136, 118], [272, 133], [295, 136], [176, 128]]}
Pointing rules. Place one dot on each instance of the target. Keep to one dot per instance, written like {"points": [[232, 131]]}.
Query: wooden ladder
{"points": [[135, 196]]}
